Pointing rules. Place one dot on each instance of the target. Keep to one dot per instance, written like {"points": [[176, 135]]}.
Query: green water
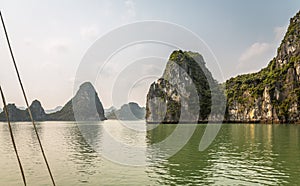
{"points": [[241, 154]]}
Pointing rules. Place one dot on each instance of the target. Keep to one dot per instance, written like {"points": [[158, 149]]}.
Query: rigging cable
{"points": [[26, 101], [12, 136]]}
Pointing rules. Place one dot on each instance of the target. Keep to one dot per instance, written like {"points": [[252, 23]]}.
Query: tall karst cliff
{"points": [[184, 92], [273, 93]]}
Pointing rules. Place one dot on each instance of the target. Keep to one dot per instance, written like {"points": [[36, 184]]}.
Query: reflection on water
{"points": [[240, 155], [83, 156]]}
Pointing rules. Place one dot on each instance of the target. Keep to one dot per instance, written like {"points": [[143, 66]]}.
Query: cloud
{"points": [[255, 50], [28, 41], [58, 46], [258, 54], [89, 33], [256, 57], [130, 11]]}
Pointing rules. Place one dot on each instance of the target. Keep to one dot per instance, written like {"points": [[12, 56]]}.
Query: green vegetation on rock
{"points": [[273, 92]]}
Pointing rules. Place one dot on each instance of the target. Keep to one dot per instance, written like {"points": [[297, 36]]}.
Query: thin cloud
{"points": [[130, 11], [259, 49], [89, 33], [256, 57], [28, 41], [58, 46], [259, 54], [255, 50]]}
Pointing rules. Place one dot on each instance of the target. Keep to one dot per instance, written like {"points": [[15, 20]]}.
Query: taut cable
{"points": [[12, 135], [26, 101]]}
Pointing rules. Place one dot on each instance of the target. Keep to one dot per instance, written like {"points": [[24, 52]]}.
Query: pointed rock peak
{"points": [[86, 104], [180, 56], [12, 106], [133, 104], [177, 55], [37, 110], [36, 103], [294, 26], [86, 86], [36, 106], [86, 91]]}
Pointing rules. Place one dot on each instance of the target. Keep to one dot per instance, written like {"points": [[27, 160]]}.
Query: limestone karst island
{"points": [[156, 93]]}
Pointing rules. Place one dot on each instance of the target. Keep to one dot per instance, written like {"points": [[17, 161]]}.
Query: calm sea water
{"points": [[241, 154]]}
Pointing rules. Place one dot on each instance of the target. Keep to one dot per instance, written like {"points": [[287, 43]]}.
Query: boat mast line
{"points": [[26, 101], [12, 136]]}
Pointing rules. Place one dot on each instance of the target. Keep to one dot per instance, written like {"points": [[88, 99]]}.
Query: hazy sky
{"points": [[50, 38]]}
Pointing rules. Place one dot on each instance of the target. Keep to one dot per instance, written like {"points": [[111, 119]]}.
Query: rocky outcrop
{"points": [[16, 114], [184, 92], [84, 106], [38, 112], [272, 94], [130, 111]]}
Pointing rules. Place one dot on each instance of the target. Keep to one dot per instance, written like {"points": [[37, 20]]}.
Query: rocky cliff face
{"points": [[183, 94], [272, 94], [84, 106], [163, 103]]}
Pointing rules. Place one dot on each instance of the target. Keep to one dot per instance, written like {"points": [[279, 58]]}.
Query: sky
{"points": [[51, 38]]}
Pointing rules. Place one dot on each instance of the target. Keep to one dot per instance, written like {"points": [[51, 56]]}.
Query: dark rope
{"points": [[12, 136], [26, 101]]}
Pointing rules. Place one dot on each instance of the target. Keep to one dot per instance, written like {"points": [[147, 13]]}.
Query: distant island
{"points": [[271, 95], [84, 106], [50, 111], [130, 111]]}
